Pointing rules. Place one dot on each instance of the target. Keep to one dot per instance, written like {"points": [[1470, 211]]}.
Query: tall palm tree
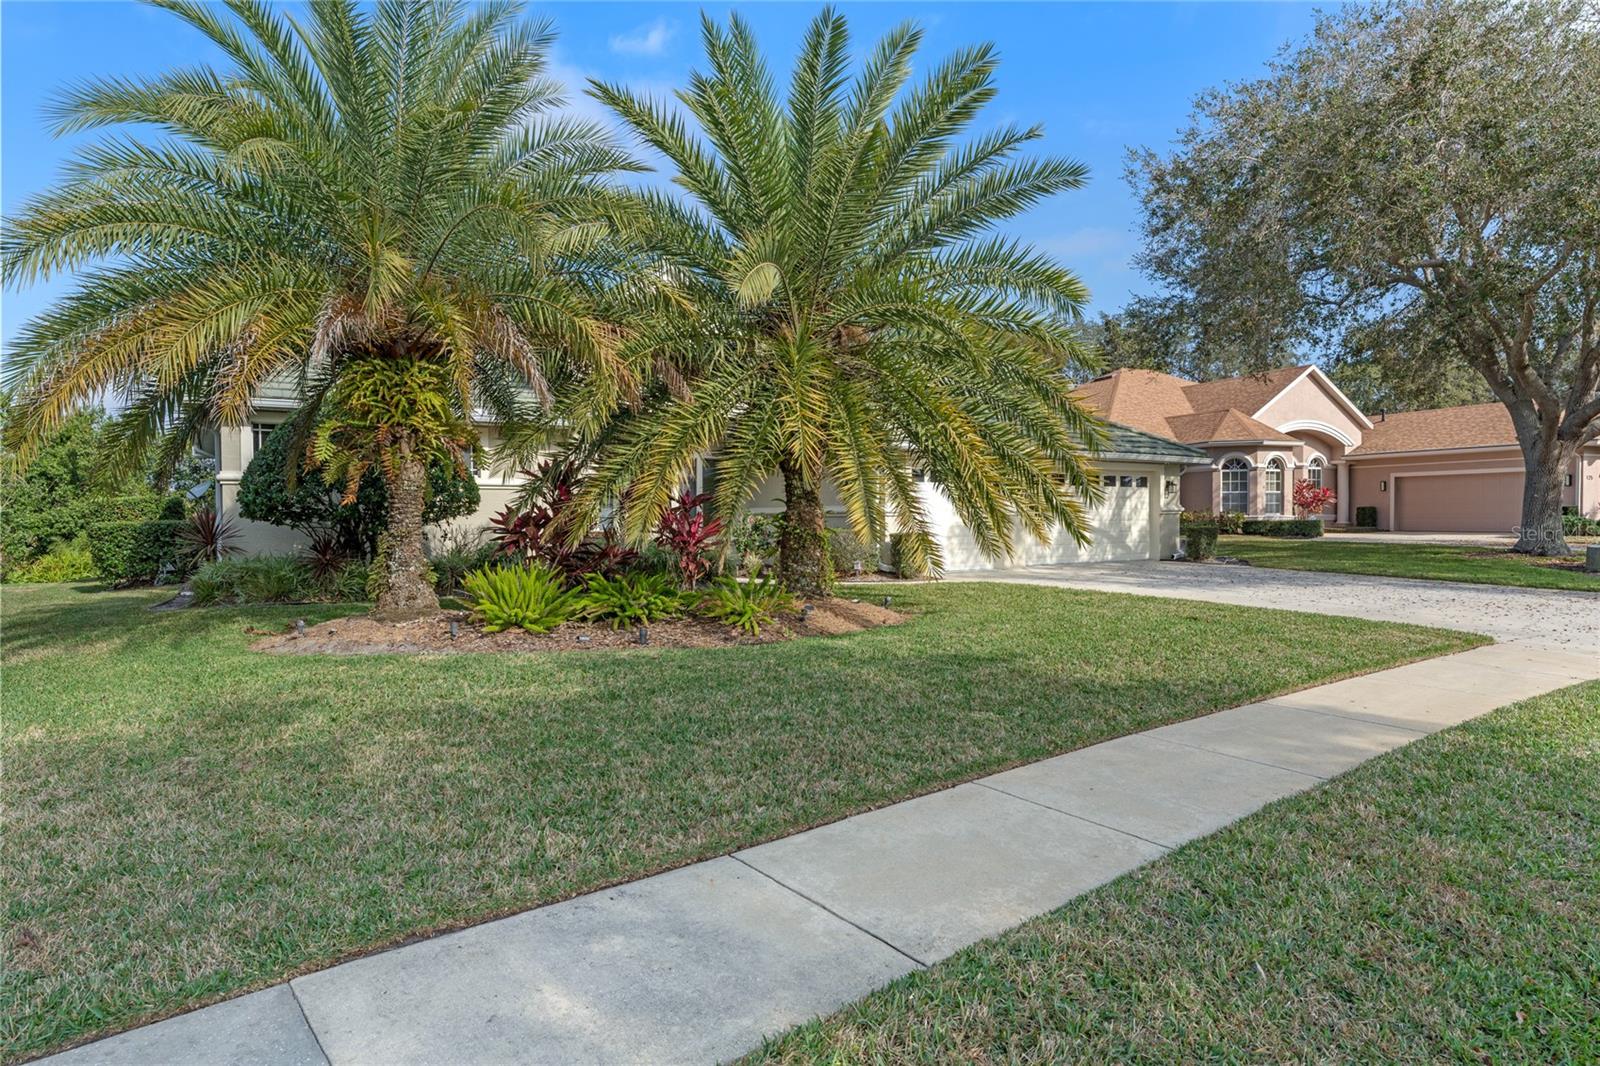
{"points": [[842, 312], [369, 200]]}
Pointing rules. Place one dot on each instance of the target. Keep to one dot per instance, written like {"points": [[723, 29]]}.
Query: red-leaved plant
{"points": [[690, 537], [537, 534], [1310, 499]]}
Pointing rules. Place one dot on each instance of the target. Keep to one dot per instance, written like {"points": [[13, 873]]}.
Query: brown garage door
{"points": [[1458, 503]]}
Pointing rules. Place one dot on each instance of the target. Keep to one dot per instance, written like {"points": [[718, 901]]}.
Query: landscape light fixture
{"points": [[644, 635], [455, 628], [805, 612], [299, 627], [886, 600]]}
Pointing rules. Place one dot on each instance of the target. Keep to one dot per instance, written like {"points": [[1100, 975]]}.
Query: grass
{"points": [[1440, 903], [189, 819], [1476, 564]]}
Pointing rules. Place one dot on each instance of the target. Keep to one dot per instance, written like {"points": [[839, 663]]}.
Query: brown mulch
{"points": [[363, 635]]}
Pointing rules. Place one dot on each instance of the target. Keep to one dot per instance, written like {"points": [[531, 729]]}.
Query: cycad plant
{"points": [[371, 186], [843, 311]]}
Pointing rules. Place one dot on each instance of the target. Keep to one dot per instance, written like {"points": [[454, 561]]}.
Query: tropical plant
{"points": [[746, 605], [538, 528], [754, 539], [206, 537], [535, 598], [278, 487], [457, 553], [374, 185], [690, 537], [848, 555], [840, 313], [635, 599], [1311, 499]]}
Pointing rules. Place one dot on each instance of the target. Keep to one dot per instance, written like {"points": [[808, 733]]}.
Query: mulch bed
{"points": [[430, 635]]}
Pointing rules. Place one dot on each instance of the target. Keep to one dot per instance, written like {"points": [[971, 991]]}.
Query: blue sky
{"points": [[1100, 77]]}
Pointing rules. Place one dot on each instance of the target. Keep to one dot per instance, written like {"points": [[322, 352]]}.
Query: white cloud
{"points": [[648, 40]]}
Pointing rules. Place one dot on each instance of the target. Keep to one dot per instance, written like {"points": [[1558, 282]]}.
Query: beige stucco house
{"points": [[1451, 469]]}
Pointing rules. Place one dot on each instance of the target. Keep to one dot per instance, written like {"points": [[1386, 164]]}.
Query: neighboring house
{"points": [[1137, 518], [1452, 469]]}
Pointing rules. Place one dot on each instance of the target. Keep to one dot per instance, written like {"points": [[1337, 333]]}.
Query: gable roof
{"points": [[1476, 425], [1228, 425], [1248, 394]]}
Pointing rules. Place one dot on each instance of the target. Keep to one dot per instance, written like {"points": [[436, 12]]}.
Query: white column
{"points": [[1341, 507]]}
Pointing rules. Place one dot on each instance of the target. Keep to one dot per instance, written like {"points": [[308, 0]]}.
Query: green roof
{"points": [[1125, 442]]}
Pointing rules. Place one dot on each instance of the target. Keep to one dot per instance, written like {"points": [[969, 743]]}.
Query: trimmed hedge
{"points": [[1367, 517], [1574, 524], [1200, 540], [1282, 527], [126, 552]]}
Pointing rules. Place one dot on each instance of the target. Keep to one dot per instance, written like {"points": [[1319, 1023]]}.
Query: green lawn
{"points": [[188, 819], [1437, 562], [1441, 903]]}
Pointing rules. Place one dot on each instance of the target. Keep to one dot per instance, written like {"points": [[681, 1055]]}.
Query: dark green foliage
{"points": [[265, 496], [65, 561], [635, 599], [846, 550], [275, 579], [457, 555], [1282, 527], [1225, 521], [1574, 524], [127, 552], [899, 560], [746, 605], [1367, 517], [534, 597], [1200, 538]]}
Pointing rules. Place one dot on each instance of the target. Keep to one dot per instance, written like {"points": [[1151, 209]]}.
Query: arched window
{"points": [[1314, 472], [1272, 487], [1235, 485]]}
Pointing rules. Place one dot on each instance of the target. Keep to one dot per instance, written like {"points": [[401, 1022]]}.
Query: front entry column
{"points": [[1341, 506]]}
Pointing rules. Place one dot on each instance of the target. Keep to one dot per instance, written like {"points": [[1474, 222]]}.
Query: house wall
{"points": [[1308, 401]]}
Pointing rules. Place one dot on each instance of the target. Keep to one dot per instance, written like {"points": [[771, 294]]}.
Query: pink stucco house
{"points": [[1454, 469]]}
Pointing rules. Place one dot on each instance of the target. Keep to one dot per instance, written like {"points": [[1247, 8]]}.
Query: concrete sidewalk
{"points": [[699, 964]]}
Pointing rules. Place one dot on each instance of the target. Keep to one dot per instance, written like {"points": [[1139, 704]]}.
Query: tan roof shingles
{"points": [[1183, 410], [1248, 394], [1477, 425], [1229, 425]]}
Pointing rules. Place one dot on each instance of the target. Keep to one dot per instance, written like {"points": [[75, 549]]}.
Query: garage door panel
{"points": [[1119, 528], [1458, 503]]}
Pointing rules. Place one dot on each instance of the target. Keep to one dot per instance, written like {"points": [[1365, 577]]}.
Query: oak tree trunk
{"points": [[406, 590], [1546, 461], [803, 564]]}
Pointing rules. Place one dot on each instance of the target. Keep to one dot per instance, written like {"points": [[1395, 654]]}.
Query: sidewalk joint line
{"points": [[829, 910], [1245, 758], [301, 1007], [1070, 814], [1352, 717]]}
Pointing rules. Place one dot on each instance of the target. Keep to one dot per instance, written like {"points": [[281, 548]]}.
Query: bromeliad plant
{"points": [[746, 605], [844, 310], [371, 185], [535, 598], [634, 599]]}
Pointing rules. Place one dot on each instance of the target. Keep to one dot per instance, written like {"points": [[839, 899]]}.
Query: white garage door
{"points": [[1119, 528]]}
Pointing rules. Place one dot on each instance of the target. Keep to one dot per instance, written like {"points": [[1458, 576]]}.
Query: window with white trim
{"points": [[259, 432], [1235, 485], [1272, 487], [1314, 472]]}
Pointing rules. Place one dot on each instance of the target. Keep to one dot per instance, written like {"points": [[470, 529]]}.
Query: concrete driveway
{"points": [[1564, 621]]}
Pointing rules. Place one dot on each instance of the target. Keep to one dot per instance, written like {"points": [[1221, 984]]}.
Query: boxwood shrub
{"points": [[1283, 527], [1200, 538], [126, 552], [1367, 517]]}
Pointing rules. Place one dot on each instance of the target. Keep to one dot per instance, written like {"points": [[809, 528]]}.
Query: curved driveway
{"points": [[1563, 621]]}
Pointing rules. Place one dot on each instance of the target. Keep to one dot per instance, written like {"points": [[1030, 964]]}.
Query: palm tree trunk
{"points": [[803, 546], [406, 590]]}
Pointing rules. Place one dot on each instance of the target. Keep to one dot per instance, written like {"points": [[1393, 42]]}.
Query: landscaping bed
{"points": [[362, 635], [1438, 904], [188, 819]]}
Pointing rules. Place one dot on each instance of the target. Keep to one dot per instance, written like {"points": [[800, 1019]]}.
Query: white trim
{"points": [[1395, 476], [1283, 468], [1319, 427], [1344, 401], [1262, 443], [1249, 482]]}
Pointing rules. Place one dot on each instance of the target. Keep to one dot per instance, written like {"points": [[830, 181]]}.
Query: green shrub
{"points": [[1367, 517], [755, 539], [653, 559], [455, 556], [845, 549], [1200, 538], [746, 605], [261, 579], [534, 597], [63, 562], [635, 599], [349, 584], [1282, 527], [125, 552], [1574, 524], [897, 561], [1225, 521]]}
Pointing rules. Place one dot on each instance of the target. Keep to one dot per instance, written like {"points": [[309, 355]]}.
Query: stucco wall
{"points": [[1367, 475], [1307, 400]]}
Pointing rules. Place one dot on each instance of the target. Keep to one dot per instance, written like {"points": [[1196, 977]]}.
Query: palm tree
{"points": [[368, 200], [841, 312]]}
